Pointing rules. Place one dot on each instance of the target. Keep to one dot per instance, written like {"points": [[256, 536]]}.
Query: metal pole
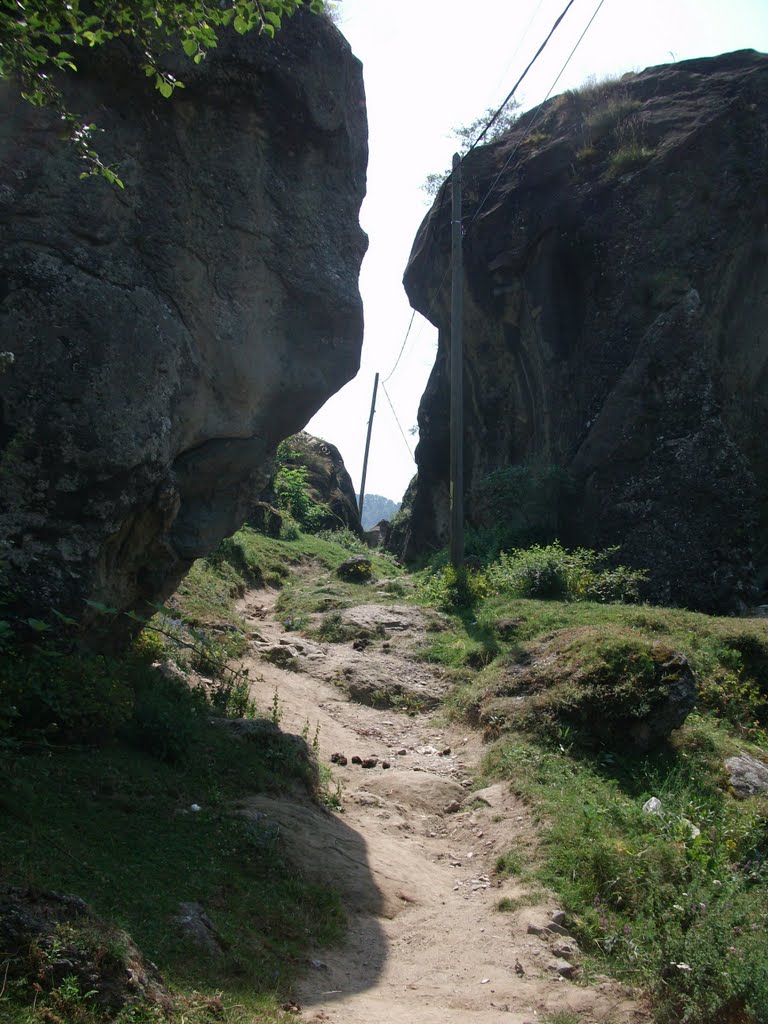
{"points": [[457, 372], [368, 445]]}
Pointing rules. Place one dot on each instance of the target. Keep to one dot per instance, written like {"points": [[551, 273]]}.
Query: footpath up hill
{"points": [[384, 799]]}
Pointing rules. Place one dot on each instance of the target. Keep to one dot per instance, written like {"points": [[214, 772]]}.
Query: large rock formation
{"points": [[616, 323], [166, 337], [328, 482]]}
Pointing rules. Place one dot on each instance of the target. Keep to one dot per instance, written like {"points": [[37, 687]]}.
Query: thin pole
{"points": [[457, 372], [368, 444]]}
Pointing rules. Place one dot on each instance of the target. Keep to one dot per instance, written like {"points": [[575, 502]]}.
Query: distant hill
{"points": [[377, 508]]}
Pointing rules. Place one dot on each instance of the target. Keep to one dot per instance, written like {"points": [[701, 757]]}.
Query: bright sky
{"points": [[430, 65]]}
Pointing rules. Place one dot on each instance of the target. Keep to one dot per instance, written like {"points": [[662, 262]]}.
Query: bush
{"points": [[554, 573], [522, 504], [345, 538], [66, 697], [450, 589], [167, 717]]}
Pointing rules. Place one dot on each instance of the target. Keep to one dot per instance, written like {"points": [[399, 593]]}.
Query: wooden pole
{"points": [[457, 372], [368, 445]]}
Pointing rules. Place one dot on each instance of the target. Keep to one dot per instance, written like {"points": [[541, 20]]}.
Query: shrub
{"points": [[345, 538], [66, 697], [292, 492], [552, 572], [522, 502], [167, 717], [450, 589]]}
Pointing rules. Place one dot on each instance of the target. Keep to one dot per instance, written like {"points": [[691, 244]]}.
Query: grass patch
{"points": [[665, 901], [675, 903], [114, 826], [102, 759], [629, 157]]}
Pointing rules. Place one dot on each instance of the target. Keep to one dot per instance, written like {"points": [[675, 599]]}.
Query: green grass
{"points": [[114, 826], [644, 892], [630, 156], [101, 760], [676, 904]]}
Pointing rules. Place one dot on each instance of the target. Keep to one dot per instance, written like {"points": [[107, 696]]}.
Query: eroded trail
{"points": [[413, 852]]}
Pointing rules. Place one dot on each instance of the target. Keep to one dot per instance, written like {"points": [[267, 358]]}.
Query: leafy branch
{"points": [[39, 38]]}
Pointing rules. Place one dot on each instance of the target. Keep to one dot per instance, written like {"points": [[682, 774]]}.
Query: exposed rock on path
{"points": [[413, 854]]}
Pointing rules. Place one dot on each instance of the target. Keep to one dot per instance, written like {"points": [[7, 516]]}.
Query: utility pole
{"points": [[457, 372], [368, 444]]}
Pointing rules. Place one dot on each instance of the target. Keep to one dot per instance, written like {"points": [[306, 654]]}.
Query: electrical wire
{"points": [[513, 90], [496, 180], [534, 122], [397, 421], [482, 135], [402, 349]]}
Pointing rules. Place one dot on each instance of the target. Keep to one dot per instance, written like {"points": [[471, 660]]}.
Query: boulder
{"points": [[592, 686], [167, 336], [616, 384], [748, 776], [328, 482], [48, 936]]}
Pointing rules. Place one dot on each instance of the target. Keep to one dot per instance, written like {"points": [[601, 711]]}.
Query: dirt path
{"points": [[413, 852]]}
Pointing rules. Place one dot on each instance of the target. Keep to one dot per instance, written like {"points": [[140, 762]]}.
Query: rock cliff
{"points": [[166, 337], [328, 482], [616, 324]]}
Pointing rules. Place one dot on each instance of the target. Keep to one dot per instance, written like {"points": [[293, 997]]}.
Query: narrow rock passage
{"points": [[413, 851]]}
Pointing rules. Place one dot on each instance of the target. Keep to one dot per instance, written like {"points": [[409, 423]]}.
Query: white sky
{"points": [[430, 65]]}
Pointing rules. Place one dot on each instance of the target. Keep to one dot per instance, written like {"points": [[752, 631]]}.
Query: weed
{"points": [[276, 709], [508, 864], [330, 791], [450, 589], [630, 156], [552, 572]]}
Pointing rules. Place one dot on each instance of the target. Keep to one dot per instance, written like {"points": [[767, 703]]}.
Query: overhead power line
{"points": [[402, 349], [533, 123], [513, 90], [481, 136], [397, 421]]}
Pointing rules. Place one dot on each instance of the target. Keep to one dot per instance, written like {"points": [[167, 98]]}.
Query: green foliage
{"points": [[465, 135], [451, 589], [43, 37], [677, 902], [523, 501], [554, 573], [65, 697], [346, 538], [292, 492], [630, 156], [93, 822]]}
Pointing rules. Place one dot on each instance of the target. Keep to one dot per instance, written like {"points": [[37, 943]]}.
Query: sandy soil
{"points": [[414, 849]]}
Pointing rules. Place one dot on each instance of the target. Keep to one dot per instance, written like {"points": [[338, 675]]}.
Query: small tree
{"points": [[466, 135]]}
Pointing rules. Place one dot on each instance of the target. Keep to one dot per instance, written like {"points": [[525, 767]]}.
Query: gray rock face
{"points": [[748, 776], [615, 310], [168, 336], [61, 933], [328, 481]]}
